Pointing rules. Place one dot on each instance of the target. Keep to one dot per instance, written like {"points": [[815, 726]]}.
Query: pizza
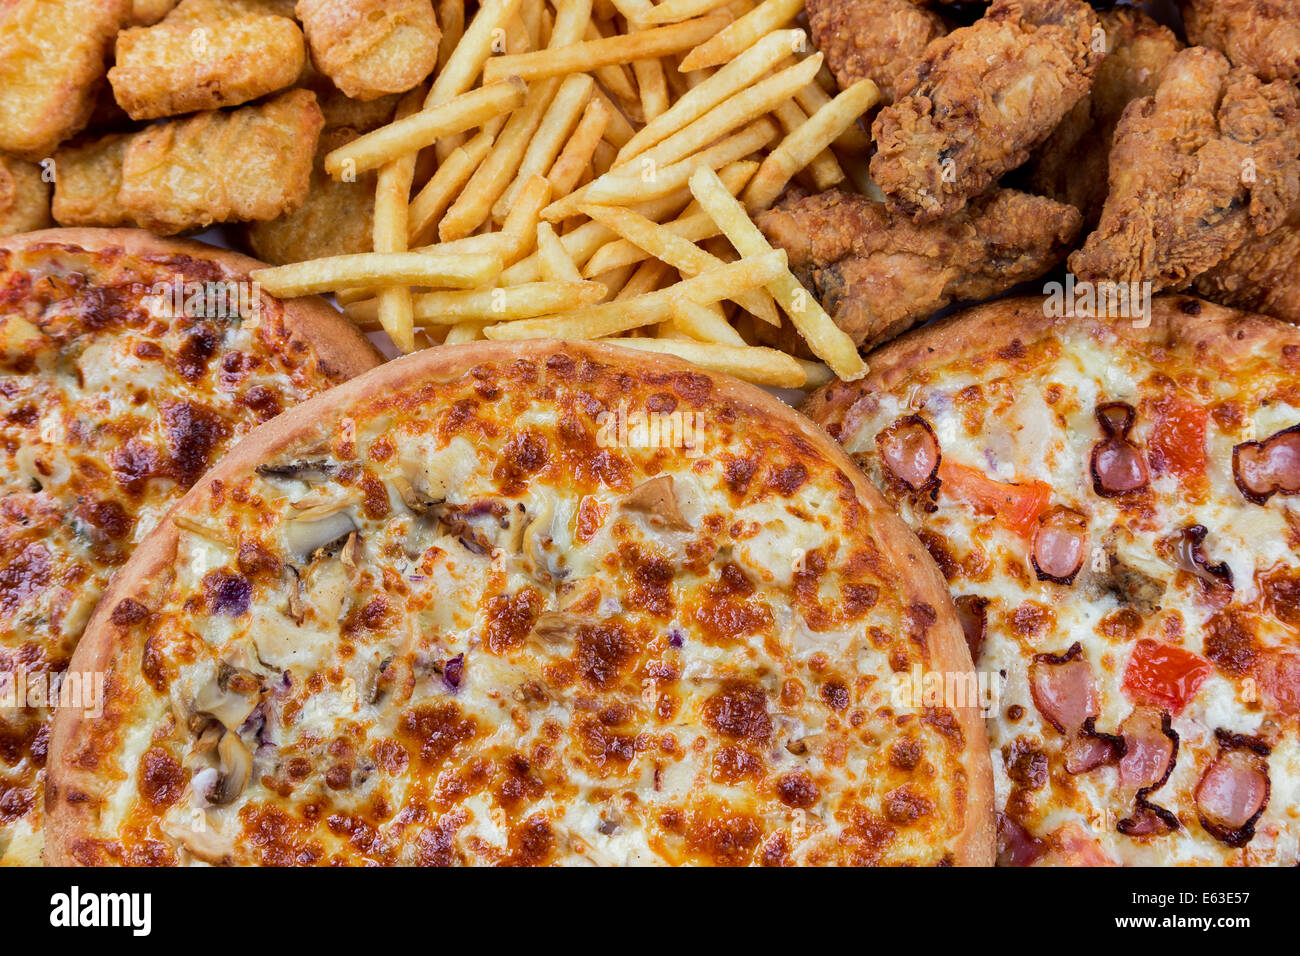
{"points": [[1113, 504], [525, 603], [127, 366]]}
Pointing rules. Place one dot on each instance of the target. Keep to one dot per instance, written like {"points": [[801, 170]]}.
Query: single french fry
{"points": [[617, 189], [819, 373], [612, 77], [488, 305], [464, 332], [812, 99], [803, 145], [474, 204], [593, 54], [392, 199], [442, 188], [374, 269], [576, 155], [736, 76], [451, 20], [674, 11], [572, 17], [619, 130], [743, 33], [521, 224], [611, 318], [467, 59], [556, 123], [602, 159], [683, 255], [824, 168], [762, 366], [824, 337], [531, 15], [647, 277], [703, 323], [556, 264], [421, 129]]}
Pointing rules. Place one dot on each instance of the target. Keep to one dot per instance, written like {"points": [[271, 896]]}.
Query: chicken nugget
{"points": [[253, 163], [370, 48], [24, 197], [336, 218], [51, 55], [340, 110], [88, 177], [185, 66], [145, 13]]}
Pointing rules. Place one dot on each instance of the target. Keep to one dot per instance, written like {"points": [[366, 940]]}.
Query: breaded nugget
{"points": [[370, 48], [1211, 159], [878, 273], [24, 197], [340, 110], [979, 100], [209, 11], [1261, 276], [145, 13], [182, 66], [1071, 166], [253, 163], [51, 54], [336, 218], [875, 40], [87, 181], [1261, 35]]}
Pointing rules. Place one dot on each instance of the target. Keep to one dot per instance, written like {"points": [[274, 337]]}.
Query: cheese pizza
{"points": [[1112, 503], [127, 366], [525, 603]]}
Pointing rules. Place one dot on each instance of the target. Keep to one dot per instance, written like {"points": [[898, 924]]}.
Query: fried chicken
{"points": [[253, 163], [1263, 275], [1071, 166], [89, 179], [24, 197], [371, 48], [980, 100], [878, 273], [1211, 159], [874, 40], [1261, 35]]}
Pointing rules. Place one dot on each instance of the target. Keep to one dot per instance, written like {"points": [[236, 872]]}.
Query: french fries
{"points": [[742, 34], [487, 305], [376, 269], [763, 366]]}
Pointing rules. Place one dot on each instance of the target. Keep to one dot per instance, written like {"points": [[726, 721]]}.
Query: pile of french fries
{"points": [[598, 162]]}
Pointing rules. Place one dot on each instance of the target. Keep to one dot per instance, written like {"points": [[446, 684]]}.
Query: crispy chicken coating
{"points": [[371, 48], [24, 197], [89, 177], [1209, 160], [253, 163], [1263, 275], [51, 60], [1261, 35], [878, 273], [1071, 166], [980, 100], [336, 218], [185, 63], [875, 40]]}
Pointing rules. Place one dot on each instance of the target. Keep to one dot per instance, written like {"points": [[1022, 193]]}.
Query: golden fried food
{"points": [[874, 40], [1263, 275], [1261, 35], [1071, 166], [253, 163], [1211, 159], [336, 218], [980, 100], [341, 110], [878, 273], [183, 66], [145, 13], [51, 55], [89, 177], [24, 197], [371, 48]]}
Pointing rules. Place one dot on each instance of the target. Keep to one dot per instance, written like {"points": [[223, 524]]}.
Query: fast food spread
{"points": [[696, 432]]}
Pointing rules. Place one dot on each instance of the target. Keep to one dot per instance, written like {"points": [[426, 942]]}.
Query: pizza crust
{"points": [[69, 817], [340, 347]]}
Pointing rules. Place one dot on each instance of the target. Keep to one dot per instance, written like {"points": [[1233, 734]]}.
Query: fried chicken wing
{"points": [[874, 40], [1261, 35], [1263, 275], [253, 163], [980, 100], [187, 63], [1209, 160], [24, 197], [335, 219], [1071, 166], [371, 48], [878, 273], [89, 177], [52, 56]]}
